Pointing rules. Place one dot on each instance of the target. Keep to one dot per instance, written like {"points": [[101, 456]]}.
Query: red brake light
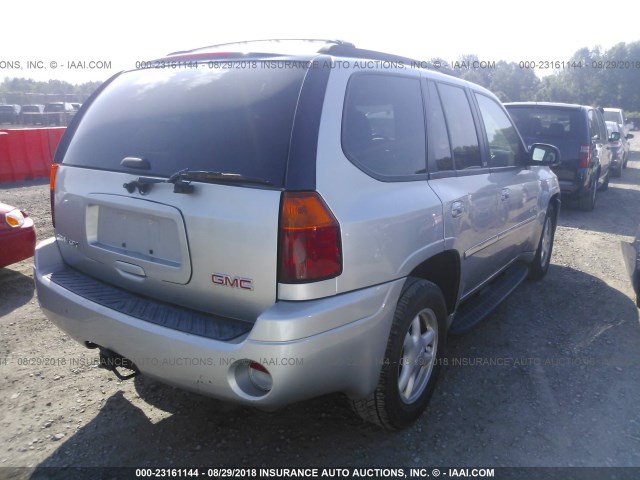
{"points": [[52, 188], [310, 248], [585, 154]]}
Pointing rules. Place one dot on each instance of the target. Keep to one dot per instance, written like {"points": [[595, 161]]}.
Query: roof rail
{"points": [[273, 40], [338, 48]]}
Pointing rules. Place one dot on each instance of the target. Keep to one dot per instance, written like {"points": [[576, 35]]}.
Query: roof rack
{"points": [[266, 40], [338, 48]]}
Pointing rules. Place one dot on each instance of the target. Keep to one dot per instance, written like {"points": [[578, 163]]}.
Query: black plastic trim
{"points": [[159, 313], [75, 121], [303, 150]]}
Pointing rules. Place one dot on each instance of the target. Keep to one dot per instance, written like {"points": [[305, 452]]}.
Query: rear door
{"points": [[518, 185], [462, 182], [209, 243]]}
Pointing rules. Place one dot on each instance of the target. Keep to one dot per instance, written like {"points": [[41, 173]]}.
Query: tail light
{"points": [[585, 156], [15, 218], [52, 188], [310, 247]]}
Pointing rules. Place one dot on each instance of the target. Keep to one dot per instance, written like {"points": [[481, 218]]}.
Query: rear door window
{"points": [[461, 127], [383, 130], [223, 120]]}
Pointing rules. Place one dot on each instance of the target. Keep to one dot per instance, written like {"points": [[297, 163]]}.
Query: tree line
{"points": [[607, 78], [597, 77]]}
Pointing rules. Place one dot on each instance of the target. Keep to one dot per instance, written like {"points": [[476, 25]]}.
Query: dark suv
{"points": [[58, 113], [9, 113], [581, 135]]}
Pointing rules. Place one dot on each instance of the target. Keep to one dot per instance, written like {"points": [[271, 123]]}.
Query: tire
{"points": [[540, 264], [626, 159], [588, 200], [605, 185], [617, 172], [412, 359]]}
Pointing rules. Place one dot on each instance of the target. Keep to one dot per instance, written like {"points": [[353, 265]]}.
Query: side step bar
{"points": [[473, 311]]}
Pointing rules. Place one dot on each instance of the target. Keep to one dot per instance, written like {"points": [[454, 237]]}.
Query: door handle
{"points": [[457, 209], [504, 195]]}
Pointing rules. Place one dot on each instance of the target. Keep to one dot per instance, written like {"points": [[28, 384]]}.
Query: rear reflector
{"points": [[260, 377], [310, 247]]}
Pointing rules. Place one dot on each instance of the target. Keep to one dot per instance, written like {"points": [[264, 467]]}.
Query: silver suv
{"points": [[304, 218]]}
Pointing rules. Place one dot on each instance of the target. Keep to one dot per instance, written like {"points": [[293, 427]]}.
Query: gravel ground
{"points": [[552, 378]]}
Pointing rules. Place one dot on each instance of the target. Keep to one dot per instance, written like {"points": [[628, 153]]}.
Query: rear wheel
{"points": [[411, 363], [540, 265], [588, 200], [605, 185]]}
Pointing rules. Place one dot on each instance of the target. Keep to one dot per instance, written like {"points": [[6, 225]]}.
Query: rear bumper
{"points": [[576, 187], [304, 361]]}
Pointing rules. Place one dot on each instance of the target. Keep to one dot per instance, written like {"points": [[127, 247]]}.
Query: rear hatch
{"points": [[564, 127], [131, 210]]}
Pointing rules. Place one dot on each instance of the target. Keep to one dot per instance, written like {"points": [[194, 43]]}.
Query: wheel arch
{"points": [[556, 202], [443, 270]]}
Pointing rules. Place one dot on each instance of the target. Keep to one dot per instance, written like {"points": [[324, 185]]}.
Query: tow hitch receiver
{"points": [[112, 361]]}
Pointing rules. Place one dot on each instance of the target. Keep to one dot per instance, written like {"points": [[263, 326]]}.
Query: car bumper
{"points": [[344, 358], [17, 244], [576, 187]]}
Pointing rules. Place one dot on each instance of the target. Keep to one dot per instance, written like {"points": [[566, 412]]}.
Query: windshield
{"points": [[235, 120]]}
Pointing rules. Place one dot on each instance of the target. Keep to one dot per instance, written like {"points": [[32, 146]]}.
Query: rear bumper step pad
{"points": [[152, 311]]}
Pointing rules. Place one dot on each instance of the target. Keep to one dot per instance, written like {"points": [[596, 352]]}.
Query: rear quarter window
{"points": [[383, 130], [224, 120]]}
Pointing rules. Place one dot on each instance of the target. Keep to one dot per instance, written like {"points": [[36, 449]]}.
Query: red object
{"points": [[27, 153], [585, 156], [16, 243], [310, 247]]}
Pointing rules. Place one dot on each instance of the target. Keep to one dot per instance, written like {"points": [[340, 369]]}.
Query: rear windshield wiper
{"points": [[182, 180], [214, 177]]}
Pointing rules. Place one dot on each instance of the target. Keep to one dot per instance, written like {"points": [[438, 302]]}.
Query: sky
{"points": [[43, 37]]}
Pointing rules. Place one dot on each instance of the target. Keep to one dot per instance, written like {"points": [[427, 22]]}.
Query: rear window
{"points": [[223, 120], [613, 116], [54, 107], [7, 108], [30, 109], [547, 123]]}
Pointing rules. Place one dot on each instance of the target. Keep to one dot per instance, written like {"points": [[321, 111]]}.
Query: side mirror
{"points": [[629, 136], [542, 154], [614, 137]]}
